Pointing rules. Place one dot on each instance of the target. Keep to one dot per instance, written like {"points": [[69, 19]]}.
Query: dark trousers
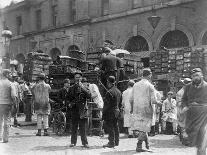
{"points": [[113, 131], [82, 123]]}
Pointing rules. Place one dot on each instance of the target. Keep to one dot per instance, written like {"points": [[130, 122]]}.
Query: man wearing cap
{"points": [[142, 98], [78, 96], [127, 107], [40, 92], [7, 98], [62, 99], [181, 113], [111, 112], [195, 99], [169, 111]]}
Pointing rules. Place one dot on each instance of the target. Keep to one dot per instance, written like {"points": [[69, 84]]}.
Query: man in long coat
{"points": [[195, 99], [111, 112], [127, 107], [143, 96]]}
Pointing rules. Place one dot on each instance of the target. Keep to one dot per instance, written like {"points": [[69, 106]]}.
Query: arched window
{"points": [[174, 39], [137, 44], [54, 53], [204, 39]]}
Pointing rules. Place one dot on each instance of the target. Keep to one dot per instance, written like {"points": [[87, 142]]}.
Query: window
{"points": [[38, 20], [19, 24], [73, 10], [105, 7], [54, 12]]}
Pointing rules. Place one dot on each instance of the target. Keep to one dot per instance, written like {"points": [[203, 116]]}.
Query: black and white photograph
{"points": [[103, 77]]}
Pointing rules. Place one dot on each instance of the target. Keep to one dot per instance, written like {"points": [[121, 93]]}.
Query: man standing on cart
{"points": [[110, 65], [78, 96]]}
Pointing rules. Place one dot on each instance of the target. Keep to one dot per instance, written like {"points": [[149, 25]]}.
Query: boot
{"points": [[38, 132], [139, 146], [46, 133], [147, 144]]}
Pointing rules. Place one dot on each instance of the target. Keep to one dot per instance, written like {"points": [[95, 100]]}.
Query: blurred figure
{"points": [[41, 100], [127, 107], [194, 101], [7, 98], [181, 115], [169, 111], [15, 110]]}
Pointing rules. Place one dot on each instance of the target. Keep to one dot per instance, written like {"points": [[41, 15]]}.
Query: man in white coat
{"points": [[127, 107], [142, 99]]}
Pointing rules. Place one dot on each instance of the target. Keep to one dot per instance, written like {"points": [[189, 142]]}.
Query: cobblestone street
{"points": [[24, 142]]}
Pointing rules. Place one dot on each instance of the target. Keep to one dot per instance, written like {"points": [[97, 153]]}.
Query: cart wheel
{"points": [[59, 123]]}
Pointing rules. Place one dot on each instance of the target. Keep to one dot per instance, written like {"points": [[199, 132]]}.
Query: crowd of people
{"points": [[141, 106]]}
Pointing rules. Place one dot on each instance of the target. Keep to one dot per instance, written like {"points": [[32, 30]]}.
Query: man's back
{"points": [[111, 63], [41, 92]]}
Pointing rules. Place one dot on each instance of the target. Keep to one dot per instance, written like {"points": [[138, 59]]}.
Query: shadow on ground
{"points": [[166, 143], [59, 148], [127, 152]]}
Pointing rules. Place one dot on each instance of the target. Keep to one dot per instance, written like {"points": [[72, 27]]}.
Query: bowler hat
{"points": [[111, 79]]}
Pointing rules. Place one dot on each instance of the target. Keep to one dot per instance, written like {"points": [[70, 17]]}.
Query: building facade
{"points": [[57, 26]]}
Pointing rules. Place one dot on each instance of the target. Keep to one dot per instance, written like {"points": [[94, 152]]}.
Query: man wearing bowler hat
{"points": [[111, 111], [77, 97], [195, 99]]}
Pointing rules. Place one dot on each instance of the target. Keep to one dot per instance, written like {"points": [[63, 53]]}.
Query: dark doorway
{"points": [[174, 39], [137, 44]]}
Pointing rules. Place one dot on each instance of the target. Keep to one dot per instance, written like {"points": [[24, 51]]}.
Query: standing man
{"points": [[62, 99], [7, 98], [40, 92], [110, 65], [127, 107], [169, 110], [142, 98], [111, 111], [195, 99], [78, 96]]}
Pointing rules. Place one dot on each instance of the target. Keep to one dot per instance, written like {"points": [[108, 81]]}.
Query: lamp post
{"points": [[7, 34]]}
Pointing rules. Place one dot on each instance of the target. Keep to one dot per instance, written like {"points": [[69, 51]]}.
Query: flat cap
{"points": [[196, 70], [170, 93], [146, 72], [185, 81], [78, 72], [66, 81], [111, 79]]}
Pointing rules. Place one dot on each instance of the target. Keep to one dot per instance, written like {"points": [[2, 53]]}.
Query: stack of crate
{"points": [[187, 62], [35, 64], [164, 60], [172, 60]]}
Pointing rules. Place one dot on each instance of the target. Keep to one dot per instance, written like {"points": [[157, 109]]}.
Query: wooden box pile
{"points": [[35, 64]]}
